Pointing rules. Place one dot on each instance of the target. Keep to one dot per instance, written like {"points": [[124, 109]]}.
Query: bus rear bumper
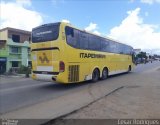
{"points": [[43, 77], [50, 78]]}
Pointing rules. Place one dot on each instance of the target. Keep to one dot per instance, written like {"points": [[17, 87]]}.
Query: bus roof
{"points": [[69, 24]]}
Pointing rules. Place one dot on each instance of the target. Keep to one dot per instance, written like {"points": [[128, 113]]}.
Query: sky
{"points": [[133, 22]]}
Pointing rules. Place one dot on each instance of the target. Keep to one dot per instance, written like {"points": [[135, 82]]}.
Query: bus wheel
{"points": [[104, 73], [95, 75]]}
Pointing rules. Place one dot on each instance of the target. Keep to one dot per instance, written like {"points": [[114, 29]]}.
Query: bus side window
{"points": [[69, 31], [83, 40], [94, 43], [120, 48], [113, 47], [72, 37], [104, 45]]}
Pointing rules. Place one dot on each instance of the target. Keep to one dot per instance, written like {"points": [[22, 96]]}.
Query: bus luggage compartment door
{"points": [[46, 60]]}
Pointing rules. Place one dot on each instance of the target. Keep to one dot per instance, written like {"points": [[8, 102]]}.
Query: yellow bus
{"points": [[65, 54]]}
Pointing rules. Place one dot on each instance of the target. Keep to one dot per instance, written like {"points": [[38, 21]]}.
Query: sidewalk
{"points": [[12, 78], [139, 100], [127, 103]]}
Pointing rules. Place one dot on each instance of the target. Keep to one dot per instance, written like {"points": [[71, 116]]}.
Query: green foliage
{"points": [[141, 55]]}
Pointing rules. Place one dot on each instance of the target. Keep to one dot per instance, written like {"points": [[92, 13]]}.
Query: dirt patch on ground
{"points": [[129, 102], [158, 69]]}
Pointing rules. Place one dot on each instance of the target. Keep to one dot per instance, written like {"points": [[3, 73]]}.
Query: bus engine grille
{"points": [[73, 75]]}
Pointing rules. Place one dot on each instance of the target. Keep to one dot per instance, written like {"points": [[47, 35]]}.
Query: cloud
{"points": [[66, 21], [15, 14], [96, 32], [24, 2], [150, 1], [135, 32], [92, 28]]}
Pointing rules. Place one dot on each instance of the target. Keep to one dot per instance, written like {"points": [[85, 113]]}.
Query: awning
{"points": [[3, 59]]}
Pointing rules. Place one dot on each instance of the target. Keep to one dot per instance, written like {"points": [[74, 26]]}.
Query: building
{"points": [[14, 49]]}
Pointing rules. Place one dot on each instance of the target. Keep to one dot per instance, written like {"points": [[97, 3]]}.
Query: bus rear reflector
{"points": [[61, 66]]}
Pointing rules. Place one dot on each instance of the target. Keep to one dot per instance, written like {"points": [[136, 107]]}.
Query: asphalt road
{"points": [[21, 92]]}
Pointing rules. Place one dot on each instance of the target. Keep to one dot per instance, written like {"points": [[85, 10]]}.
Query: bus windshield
{"points": [[45, 33]]}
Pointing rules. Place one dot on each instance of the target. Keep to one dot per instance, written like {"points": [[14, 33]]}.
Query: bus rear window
{"points": [[47, 32]]}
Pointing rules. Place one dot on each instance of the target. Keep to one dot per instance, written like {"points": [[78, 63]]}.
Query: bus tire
{"points": [[104, 73], [95, 75]]}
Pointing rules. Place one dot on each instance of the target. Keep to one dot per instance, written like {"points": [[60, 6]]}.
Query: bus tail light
{"points": [[61, 66]]}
